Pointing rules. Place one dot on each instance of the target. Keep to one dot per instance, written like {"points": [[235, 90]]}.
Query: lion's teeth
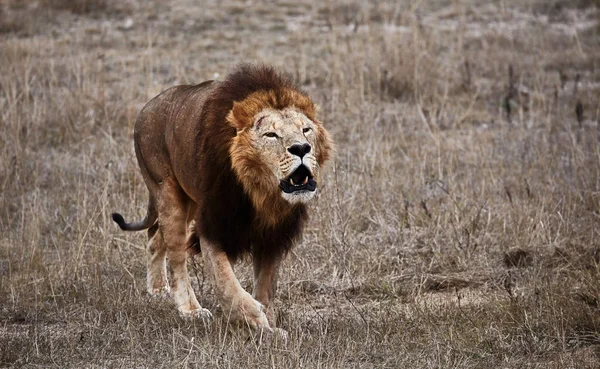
{"points": [[305, 181], [292, 181]]}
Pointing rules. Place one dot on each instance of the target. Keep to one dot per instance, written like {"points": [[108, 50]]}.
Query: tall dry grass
{"points": [[457, 227]]}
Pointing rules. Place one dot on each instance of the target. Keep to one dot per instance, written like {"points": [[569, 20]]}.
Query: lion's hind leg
{"points": [[156, 252], [172, 218]]}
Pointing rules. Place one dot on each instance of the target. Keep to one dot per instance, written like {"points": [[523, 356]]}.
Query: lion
{"points": [[230, 166]]}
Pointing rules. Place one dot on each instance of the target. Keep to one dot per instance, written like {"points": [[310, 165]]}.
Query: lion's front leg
{"points": [[265, 283], [236, 303]]}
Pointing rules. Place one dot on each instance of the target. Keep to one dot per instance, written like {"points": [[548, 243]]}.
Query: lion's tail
{"points": [[147, 222]]}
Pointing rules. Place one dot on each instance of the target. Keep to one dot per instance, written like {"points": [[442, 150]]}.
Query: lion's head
{"points": [[279, 148]]}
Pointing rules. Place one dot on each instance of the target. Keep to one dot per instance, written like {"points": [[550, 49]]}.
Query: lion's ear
{"points": [[325, 146], [234, 118]]}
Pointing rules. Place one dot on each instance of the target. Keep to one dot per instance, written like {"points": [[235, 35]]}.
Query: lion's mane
{"points": [[240, 221]]}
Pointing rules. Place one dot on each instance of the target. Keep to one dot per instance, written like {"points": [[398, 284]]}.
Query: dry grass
{"points": [[458, 227]]}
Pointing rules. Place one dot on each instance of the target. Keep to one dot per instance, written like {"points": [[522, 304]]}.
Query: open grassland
{"points": [[459, 225]]}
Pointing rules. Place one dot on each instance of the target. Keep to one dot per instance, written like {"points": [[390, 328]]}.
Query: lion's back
{"points": [[164, 130]]}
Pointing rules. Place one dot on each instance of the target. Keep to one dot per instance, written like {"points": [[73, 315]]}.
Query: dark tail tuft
{"points": [[147, 222], [118, 218]]}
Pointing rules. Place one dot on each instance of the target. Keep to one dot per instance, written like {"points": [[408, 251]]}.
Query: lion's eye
{"points": [[271, 135], [306, 130]]}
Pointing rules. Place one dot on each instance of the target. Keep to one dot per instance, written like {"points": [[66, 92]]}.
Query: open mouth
{"points": [[300, 180]]}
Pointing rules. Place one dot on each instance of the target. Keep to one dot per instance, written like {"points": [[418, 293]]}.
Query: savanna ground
{"points": [[459, 225]]}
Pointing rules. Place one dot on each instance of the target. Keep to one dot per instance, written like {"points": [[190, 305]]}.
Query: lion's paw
{"points": [[198, 313], [258, 321], [163, 292], [247, 311], [271, 336]]}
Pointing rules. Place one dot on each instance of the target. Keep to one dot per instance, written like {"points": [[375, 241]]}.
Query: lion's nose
{"points": [[299, 149]]}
